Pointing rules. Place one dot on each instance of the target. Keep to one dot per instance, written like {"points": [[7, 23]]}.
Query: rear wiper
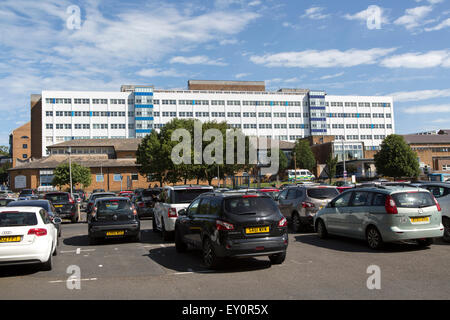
{"points": [[248, 212]]}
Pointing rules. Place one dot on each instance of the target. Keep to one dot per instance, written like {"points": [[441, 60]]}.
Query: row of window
{"points": [[86, 101], [359, 115], [359, 104], [88, 113], [361, 126], [362, 137], [87, 126]]}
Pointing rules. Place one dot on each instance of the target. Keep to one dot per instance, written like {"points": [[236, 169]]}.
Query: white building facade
{"points": [[285, 114]]}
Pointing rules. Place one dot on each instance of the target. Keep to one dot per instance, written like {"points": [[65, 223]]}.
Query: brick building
{"points": [[20, 143]]}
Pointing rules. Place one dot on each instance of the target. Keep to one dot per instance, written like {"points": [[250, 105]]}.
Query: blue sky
{"points": [[305, 44]]}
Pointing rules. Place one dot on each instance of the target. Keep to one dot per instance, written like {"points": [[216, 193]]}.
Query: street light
{"points": [[343, 157], [69, 151]]}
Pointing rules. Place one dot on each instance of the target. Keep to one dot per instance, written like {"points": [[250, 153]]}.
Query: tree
{"points": [[4, 151], [151, 157], [4, 172], [396, 159], [330, 168], [80, 175], [304, 156]]}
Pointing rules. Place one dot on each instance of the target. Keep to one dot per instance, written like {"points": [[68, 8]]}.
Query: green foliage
{"points": [[4, 172], [80, 175], [304, 155], [4, 151], [396, 159], [330, 168]]}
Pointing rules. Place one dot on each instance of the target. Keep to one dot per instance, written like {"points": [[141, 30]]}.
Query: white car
{"points": [[27, 236], [170, 201]]}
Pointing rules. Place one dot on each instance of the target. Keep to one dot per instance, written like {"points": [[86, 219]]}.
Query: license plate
{"points": [[115, 233], [257, 230], [420, 219], [58, 206], [11, 239]]}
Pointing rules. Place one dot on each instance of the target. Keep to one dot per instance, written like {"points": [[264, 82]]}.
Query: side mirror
{"points": [[182, 212], [57, 220]]}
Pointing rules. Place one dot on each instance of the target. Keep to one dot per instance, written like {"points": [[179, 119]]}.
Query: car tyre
{"points": [[155, 228], [277, 258], [166, 235], [92, 241], [425, 242], [296, 223], [446, 223], [210, 259], [373, 238], [321, 229], [47, 266], [180, 246], [137, 238]]}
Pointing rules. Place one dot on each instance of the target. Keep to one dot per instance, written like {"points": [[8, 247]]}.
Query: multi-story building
{"points": [[286, 114], [20, 143]]}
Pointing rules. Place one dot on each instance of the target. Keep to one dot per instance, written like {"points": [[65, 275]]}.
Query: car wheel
{"points": [[209, 256], [321, 229], [92, 241], [373, 238], [277, 258], [296, 224], [47, 266], [180, 246], [137, 238], [56, 248], [446, 223], [74, 219], [167, 236], [425, 242], [155, 228]]}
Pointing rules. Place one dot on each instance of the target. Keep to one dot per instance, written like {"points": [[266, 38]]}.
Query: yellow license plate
{"points": [[420, 219], [115, 233], [11, 239], [257, 230], [58, 206]]}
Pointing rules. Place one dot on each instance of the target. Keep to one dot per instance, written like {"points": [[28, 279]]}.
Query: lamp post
{"points": [[343, 157], [69, 150]]}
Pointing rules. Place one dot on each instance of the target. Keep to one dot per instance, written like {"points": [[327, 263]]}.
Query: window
{"points": [[342, 201], [49, 126], [25, 146], [49, 113], [360, 199], [134, 177], [24, 156]]}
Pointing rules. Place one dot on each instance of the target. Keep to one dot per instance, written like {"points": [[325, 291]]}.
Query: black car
{"points": [[145, 202], [232, 225], [113, 217], [65, 206], [44, 204]]}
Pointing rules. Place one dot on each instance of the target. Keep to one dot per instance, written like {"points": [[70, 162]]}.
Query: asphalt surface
{"points": [[334, 268]]}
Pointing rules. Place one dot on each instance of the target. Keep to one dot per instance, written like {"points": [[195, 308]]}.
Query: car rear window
{"points": [[322, 193], [259, 206], [187, 195], [98, 196], [106, 209], [16, 219], [57, 197], [413, 199], [149, 193]]}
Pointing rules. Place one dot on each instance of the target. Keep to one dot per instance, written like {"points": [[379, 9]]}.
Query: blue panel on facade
{"points": [[317, 108], [317, 97], [143, 106], [90, 113], [193, 102], [144, 118], [319, 130], [373, 126], [318, 119], [143, 130], [54, 100], [143, 93], [357, 115], [73, 113], [271, 103]]}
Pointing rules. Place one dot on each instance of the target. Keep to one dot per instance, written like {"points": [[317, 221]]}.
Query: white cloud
{"points": [[414, 17], [149, 72], [204, 60], [315, 13], [405, 96], [366, 14], [331, 76], [322, 59], [254, 3], [429, 109], [228, 41], [442, 25], [241, 75], [432, 1], [439, 58]]}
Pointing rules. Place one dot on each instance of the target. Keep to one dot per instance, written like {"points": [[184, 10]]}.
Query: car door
{"points": [[188, 223], [282, 202], [357, 213], [335, 213], [291, 201], [51, 229]]}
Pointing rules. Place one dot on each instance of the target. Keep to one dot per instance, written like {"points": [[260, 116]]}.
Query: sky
{"points": [[353, 47]]}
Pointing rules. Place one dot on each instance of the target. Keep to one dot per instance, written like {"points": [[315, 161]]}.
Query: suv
{"points": [[300, 204], [441, 191], [382, 214], [232, 225], [64, 205], [171, 200], [113, 217], [94, 196], [27, 194], [145, 201]]}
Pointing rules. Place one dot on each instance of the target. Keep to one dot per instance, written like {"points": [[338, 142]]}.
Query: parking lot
{"points": [[334, 268]]}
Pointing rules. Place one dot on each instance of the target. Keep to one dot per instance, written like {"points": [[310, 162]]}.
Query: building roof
{"points": [[118, 144], [90, 161], [427, 138], [227, 83]]}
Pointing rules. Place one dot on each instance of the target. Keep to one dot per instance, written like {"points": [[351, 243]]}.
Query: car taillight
{"points": [[390, 206], [306, 204], [141, 204], [437, 204], [172, 213], [94, 211], [222, 225], [71, 200], [283, 223], [37, 232], [250, 196]]}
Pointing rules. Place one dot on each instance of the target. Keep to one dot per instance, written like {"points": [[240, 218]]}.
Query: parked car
{"points": [[301, 203], [127, 194], [171, 200], [27, 194], [273, 192], [77, 197], [113, 217], [44, 204], [145, 202], [98, 190], [232, 225], [94, 196], [382, 214], [81, 193], [7, 194], [27, 236], [4, 202], [64, 205], [441, 191]]}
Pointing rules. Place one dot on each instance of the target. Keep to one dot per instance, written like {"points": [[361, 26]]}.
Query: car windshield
{"points": [[413, 199], [258, 206], [57, 197], [107, 209], [187, 195], [322, 193], [16, 219]]}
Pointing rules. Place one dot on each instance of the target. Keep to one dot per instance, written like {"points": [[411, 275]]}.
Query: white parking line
{"points": [[78, 251], [61, 281]]}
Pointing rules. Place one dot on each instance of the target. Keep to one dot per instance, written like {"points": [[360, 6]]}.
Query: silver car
{"points": [[441, 191], [382, 214]]}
